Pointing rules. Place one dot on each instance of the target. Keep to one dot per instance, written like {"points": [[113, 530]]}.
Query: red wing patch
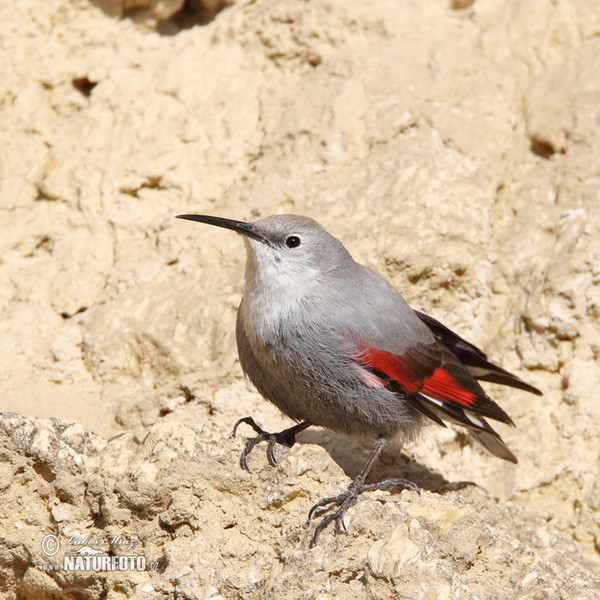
{"points": [[442, 385], [433, 372], [434, 381]]}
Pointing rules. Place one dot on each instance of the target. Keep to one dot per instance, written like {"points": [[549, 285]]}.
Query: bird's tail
{"points": [[477, 426], [493, 443]]}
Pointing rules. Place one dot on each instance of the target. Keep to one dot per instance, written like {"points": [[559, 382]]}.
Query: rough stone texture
{"points": [[454, 148], [214, 531]]}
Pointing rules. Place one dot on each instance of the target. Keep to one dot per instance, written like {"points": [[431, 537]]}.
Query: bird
{"points": [[332, 344]]}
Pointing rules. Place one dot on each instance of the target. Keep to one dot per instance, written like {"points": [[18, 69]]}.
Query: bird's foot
{"points": [[348, 499], [287, 437]]}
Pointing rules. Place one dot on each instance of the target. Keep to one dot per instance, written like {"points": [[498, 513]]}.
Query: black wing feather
{"points": [[473, 358]]}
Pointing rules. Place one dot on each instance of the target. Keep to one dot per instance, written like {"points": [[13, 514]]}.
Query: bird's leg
{"points": [[348, 498], [287, 437]]}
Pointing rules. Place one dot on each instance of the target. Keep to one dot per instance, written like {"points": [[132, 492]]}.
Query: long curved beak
{"points": [[247, 229]]}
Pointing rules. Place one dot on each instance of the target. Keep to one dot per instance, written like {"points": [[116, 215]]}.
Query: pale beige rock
{"points": [[386, 558], [452, 146], [206, 528]]}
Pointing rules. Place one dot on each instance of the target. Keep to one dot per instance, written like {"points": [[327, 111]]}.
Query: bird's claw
{"points": [[287, 437], [348, 499]]}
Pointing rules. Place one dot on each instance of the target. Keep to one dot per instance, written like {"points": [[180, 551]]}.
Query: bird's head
{"points": [[285, 250]]}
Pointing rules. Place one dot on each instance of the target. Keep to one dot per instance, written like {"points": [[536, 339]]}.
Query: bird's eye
{"points": [[293, 241]]}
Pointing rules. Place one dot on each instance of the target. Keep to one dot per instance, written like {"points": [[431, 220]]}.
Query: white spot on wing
{"points": [[369, 378]]}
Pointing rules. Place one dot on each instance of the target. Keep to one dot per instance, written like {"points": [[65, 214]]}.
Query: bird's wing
{"points": [[473, 358], [433, 371], [403, 350], [437, 385]]}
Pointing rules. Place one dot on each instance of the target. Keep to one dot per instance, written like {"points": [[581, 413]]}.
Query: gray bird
{"points": [[332, 344]]}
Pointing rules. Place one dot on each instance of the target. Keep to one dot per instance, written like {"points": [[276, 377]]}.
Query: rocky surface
{"points": [[452, 146], [206, 530]]}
